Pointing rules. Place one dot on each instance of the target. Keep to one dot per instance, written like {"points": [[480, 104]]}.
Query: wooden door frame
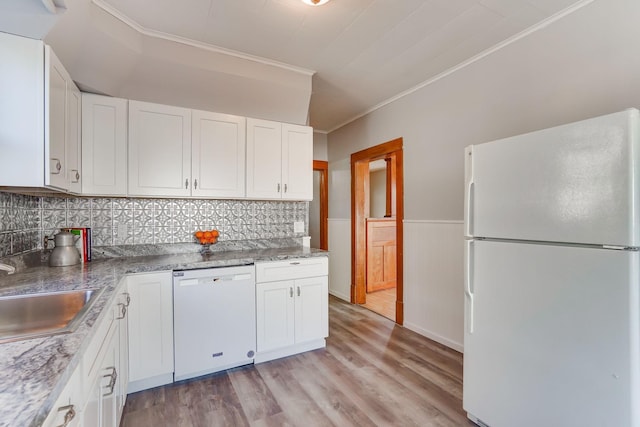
{"points": [[323, 167], [359, 204]]}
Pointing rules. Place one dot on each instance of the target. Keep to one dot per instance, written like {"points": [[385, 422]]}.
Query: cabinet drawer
{"points": [[291, 269]]}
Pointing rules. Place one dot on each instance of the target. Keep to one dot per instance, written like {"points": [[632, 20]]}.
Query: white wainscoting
{"points": [[340, 257], [434, 280]]}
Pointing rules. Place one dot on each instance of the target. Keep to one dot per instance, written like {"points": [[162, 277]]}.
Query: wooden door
{"points": [[381, 254]]}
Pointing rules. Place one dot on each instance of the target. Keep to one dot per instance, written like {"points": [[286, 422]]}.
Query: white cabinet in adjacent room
{"points": [[218, 155], [104, 145], [279, 160], [159, 150], [292, 308], [150, 321]]}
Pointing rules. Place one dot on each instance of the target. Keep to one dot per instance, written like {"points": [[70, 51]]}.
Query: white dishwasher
{"points": [[214, 320]]}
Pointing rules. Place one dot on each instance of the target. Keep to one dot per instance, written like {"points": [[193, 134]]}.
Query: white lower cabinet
{"points": [[90, 397], [292, 310], [66, 410], [150, 330]]}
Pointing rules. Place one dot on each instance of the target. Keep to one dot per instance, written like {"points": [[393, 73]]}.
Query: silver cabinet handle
{"points": [[186, 183], [112, 382], [58, 166], [291, 292], [298, 290], [278, 187], [70, 414], [195, 184], [126, 294], [123, 311], [77, 175], [285, 188], [295, 263]]}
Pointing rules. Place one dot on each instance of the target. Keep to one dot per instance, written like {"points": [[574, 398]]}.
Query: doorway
{"points": [[391, 153], [319, 206]]}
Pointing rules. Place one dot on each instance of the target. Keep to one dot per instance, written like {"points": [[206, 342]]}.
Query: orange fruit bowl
{"points": [[207, 237]]}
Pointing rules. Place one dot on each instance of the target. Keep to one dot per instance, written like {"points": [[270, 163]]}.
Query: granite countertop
{"points": [[34, 372]]}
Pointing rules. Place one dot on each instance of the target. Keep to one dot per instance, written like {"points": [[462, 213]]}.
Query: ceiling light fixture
{"points": [[315, 2]]}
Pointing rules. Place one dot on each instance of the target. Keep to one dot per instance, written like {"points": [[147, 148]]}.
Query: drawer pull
{"points": [[290, 292], [128, 298], [295, 263], [112, 382], [70, 414], [298, 290]]}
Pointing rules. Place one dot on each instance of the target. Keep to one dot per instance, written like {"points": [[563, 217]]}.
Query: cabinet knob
{"points": [[57, 167]]}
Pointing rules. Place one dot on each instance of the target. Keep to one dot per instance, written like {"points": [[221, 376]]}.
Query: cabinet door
{"points": [[55, 120], [275, 315], [264, 159], [68, 405], [150, 330], [122, 362], [73, 146], [159, 150], [297, 162], [104, 145], [109, 379], [311, 309], [218, 155]]}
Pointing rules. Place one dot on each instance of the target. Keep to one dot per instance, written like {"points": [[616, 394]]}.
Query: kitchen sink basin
{"points": [[43, 314]]}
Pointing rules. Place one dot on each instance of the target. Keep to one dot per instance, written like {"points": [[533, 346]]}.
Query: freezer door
{"points": [[555, 338], [575, 183]]}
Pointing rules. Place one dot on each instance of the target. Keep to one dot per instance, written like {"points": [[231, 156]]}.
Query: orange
{"points": [[199, 234], [207, 234]]}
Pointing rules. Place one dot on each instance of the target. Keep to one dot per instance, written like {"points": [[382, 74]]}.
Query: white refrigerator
{"points": [[552, 272]]}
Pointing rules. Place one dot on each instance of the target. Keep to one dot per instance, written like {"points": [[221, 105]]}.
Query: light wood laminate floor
{"points": [[372, 373], [382, 302]]}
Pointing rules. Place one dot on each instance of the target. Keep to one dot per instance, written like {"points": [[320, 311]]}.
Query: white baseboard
{"points": [[435, 337], [340, 295]]}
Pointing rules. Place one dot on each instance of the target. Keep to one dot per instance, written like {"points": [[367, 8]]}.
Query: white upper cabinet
{"points": [[218, 155], [55, 121], [38, 117], [279, 160], [104, 145], [264, 159], [297, 162], [73, 147], [159, 150]]}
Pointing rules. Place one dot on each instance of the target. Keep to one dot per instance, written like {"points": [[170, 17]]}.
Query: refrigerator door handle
{"points": [[469, 191], [468, 283]]}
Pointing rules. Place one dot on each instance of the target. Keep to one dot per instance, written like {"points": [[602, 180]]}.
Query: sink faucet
{"points": [[8, 268]]}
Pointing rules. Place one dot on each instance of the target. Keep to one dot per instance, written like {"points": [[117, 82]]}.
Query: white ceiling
{"points": [[363, 51]]}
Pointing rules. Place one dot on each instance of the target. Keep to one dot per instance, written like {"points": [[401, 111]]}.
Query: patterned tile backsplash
{"points": [[25, 220]]}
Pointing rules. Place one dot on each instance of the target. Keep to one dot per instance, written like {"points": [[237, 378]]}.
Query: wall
{"points": [[320, 146], [583, 65], [378, 193], [24, 220]]}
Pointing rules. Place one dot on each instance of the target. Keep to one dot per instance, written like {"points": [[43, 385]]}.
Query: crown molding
{"points": [[540, 25]]}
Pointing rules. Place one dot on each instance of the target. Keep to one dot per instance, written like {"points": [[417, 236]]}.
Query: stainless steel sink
{"points": [[43, 314]]}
